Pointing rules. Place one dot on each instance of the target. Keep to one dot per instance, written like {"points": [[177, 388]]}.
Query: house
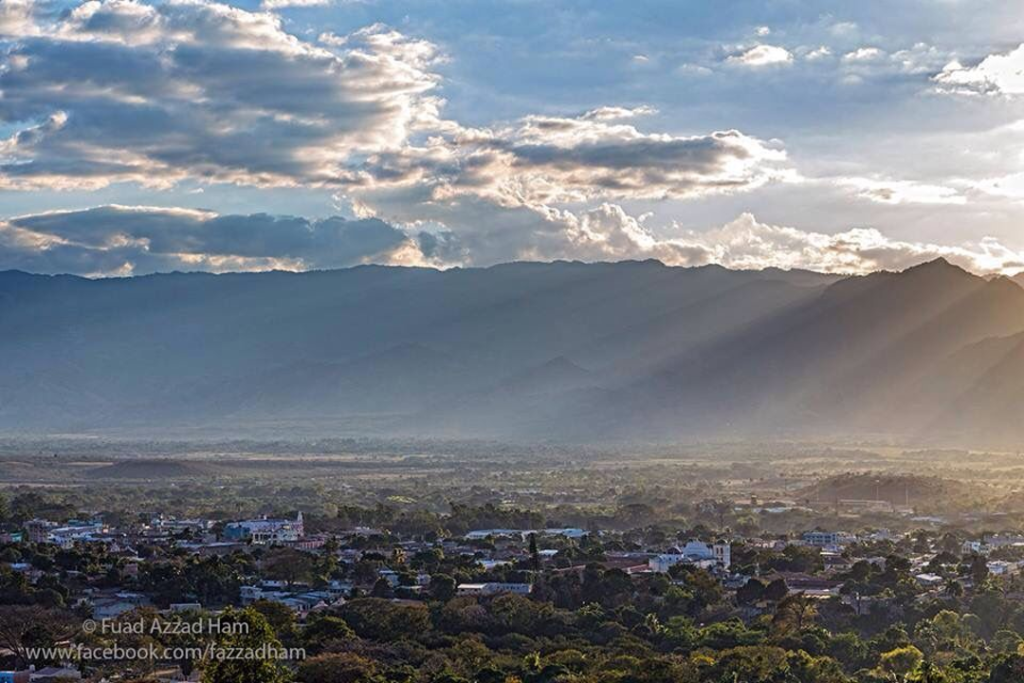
{"points": [[973, 548], [264, 531], [55, 674], [807, 584], [494, 588], [185, 607], [1002, 568], [111, 606]]}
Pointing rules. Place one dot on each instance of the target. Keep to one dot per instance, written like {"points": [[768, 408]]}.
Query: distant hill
{"points": [[560, 350]]}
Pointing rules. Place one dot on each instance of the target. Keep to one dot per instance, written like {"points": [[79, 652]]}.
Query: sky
{"points": [[140, 137]]}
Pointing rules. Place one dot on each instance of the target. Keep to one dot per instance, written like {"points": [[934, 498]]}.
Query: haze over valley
{"points": [[524, 351]]}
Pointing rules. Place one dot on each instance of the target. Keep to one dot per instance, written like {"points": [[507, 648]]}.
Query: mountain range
{"points": [[564, 350]]}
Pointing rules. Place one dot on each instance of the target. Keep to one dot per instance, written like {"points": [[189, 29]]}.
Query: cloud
{"points": [[762, 55], [844, 29], [493, 234], [902, 191], [120, 240], [156, 93], [17, 18], [749, 244], [817, 53], [553, 159], [864, 54], [996, 74], [1008, 186], [281, 4], [913, 64], [122, 91]]}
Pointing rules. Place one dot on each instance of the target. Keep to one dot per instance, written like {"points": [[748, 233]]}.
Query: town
{"points": [[890, 600]]}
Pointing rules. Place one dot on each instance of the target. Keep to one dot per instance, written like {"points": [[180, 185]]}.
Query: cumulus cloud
{"points": [[120, 240], [122, 90], [551, 159], [818, 53], [17, 18], [996, 74], [864, 54], [118, 90], [762, 55], [914, 63], [749, 244]]}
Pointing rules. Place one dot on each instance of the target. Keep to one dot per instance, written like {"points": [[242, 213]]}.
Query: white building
{"points": [[695, 553], [1002, 568], [828, 539], [263, 531], [973, 548]]}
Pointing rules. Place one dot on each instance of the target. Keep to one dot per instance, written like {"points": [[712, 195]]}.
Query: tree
{"points": [[1008, 669], [752, 664], [750, 592], [793, 613], [534, 553], [31, 626], [324, 629], [901, 661], [380, 619], [337, 668], [381, 589], [979, 570], [247, 632], [280, 617], [443, 587], [776, 590], [288, 565]]}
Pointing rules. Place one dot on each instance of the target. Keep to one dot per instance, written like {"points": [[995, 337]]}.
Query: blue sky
{"points": [[183, 134]]}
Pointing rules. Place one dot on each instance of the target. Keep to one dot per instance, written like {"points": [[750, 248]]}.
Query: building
{"points": [[55, 674], [567, 532], [494, 588], [170, 525], [1002, 568], [973, 548], [828, 539], [263, 531], [43, 531], [707, 556], [112, 606]]}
